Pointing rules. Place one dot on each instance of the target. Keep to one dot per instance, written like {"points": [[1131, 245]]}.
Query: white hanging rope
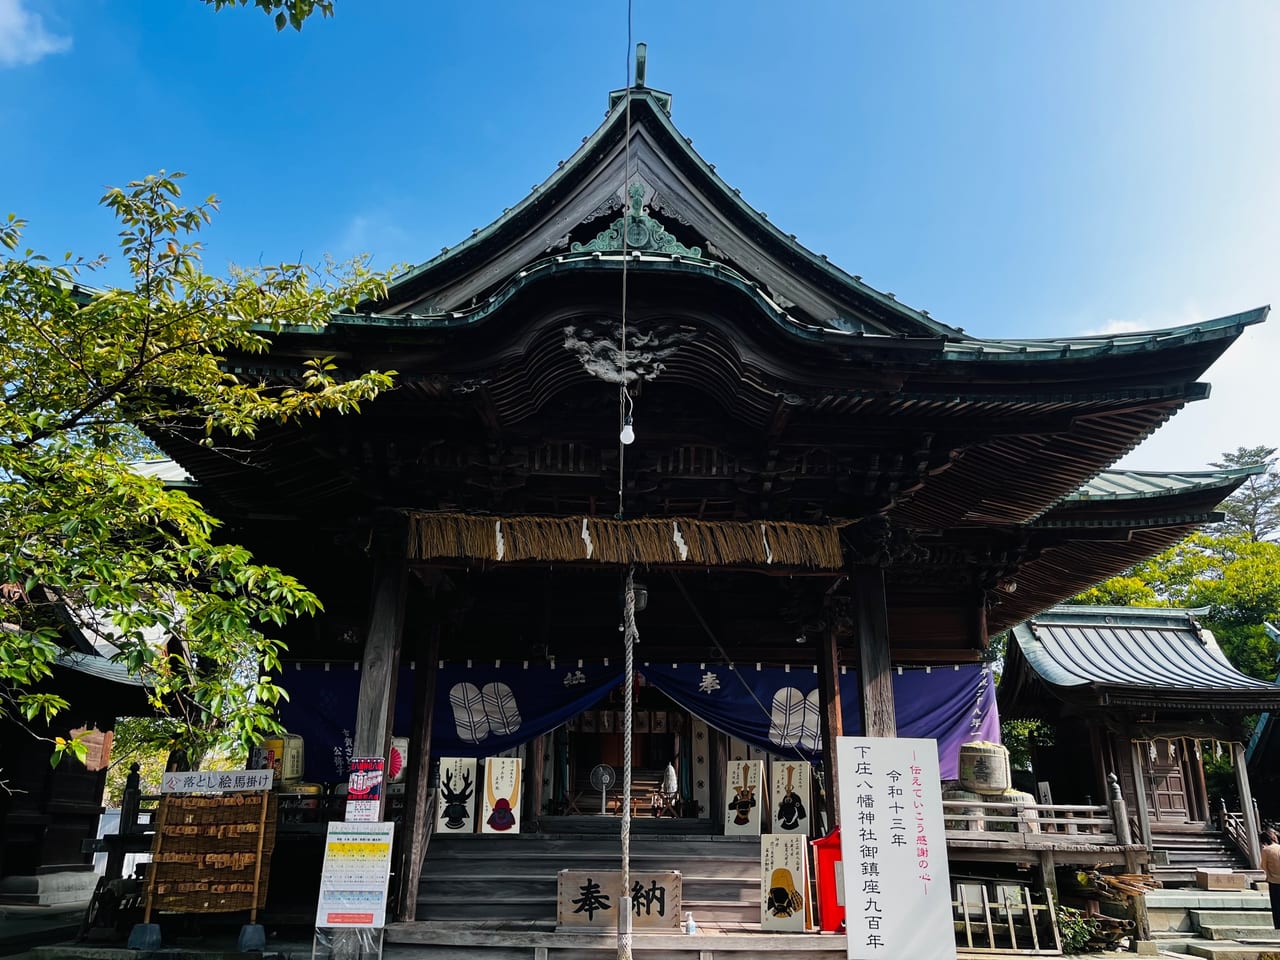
{"points": [[630, 636]]}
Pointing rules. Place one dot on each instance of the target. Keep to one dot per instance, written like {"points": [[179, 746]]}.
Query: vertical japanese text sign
{"points": [[896, 881]]}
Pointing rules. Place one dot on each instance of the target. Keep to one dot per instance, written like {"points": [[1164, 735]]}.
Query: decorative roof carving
{"points": [[643, 232]]}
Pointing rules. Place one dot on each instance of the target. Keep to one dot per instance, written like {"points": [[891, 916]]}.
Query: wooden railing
{"points": [[1236, 830], [1027, 824]]}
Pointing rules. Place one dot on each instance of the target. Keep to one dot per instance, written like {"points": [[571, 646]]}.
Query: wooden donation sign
{"points": [[896, 880], [501, 811], [742, 815], [456, 796], [589, 898], [215, 832], [784, 883], [789, 793]]}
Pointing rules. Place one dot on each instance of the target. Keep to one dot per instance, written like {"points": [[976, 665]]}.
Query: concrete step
{"points": [[1226, 918], [1230, 950], [1250, 934], [1209, 899]]}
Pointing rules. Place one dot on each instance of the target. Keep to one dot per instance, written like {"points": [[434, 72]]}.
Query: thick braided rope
{"points": [[629, 637]]}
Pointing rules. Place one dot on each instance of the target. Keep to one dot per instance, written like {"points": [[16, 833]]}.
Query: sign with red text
{"points": [[896, 881], [364, 790]]}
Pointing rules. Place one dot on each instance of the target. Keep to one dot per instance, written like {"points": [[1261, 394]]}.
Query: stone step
{"points": [[1250, 934], [1209, 899], [1229, 950], [1261, 917]]}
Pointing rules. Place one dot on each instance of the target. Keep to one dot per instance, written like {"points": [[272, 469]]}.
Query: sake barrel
{"points": [[984, 767], [1018, 801], [300, 802], [972, 815]]}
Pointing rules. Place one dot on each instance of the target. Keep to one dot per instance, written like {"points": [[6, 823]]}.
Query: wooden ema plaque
{"points": [[789, 796], [211, 854], [589, 898]]}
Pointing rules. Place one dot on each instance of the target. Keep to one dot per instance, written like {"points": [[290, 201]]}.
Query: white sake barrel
{"points": [[984, 767], [972, 815]]}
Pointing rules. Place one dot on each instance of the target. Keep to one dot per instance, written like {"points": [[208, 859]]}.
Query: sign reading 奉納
{"points": [[589, 898], [353, 881], [896, 880]]}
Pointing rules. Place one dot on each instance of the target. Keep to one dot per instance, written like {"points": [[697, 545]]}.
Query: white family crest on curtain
{"points": [[481, 711], [793, 719]]}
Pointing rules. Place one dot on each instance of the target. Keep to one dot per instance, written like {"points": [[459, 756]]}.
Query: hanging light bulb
{"points": [[627, 436]]}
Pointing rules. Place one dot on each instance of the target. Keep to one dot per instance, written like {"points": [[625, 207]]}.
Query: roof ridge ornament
{"points": [[644, 232]]}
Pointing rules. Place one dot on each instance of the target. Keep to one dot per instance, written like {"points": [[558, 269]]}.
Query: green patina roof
{"points": [[1144, 484]]}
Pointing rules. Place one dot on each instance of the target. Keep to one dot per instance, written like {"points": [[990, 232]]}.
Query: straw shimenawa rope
{"points": [[438, 536]]}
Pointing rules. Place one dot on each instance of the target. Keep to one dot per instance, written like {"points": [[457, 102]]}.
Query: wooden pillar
{"points": [[1250, 814], [875, 671], [380, 667], [418, 808], [1140, 792], [832, 718], [1196, 754]]}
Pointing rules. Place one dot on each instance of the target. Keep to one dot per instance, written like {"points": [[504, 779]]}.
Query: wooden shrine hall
{"points": [[820, 475]]}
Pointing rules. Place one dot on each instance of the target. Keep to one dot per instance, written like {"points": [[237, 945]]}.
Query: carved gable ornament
{"points": [[643, 232]]}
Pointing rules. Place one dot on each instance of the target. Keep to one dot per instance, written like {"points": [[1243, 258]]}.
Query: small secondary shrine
{"points": [[832, 499]]}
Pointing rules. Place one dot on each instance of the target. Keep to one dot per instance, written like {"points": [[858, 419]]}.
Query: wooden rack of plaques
{"points": [[212, 854]]}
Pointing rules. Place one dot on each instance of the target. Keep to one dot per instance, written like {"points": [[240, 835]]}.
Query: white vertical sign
{"points": [[896, 881]]}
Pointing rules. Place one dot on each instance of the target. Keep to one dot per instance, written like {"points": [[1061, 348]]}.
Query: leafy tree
{"points": [[288, 13], [1253, 510], [139, 567]]}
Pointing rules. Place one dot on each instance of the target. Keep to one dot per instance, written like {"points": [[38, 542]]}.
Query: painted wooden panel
{"points": [[744, 787], [789, 797], [502, 795], [456, 795], [784, 883]]}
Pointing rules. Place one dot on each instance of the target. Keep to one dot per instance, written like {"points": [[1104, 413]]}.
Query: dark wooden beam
{"points": [[380, 665], [832, 719], [875, 670], [413, 845]]}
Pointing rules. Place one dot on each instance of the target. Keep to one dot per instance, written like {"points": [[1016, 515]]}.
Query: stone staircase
{"points": [[1218, 925], [1187, 850], [513, 878]]}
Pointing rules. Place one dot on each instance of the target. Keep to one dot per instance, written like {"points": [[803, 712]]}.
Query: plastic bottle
{"points": [[690, 927]]}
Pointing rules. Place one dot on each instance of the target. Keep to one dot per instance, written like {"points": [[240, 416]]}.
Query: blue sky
{"points": [[1017, 169]]}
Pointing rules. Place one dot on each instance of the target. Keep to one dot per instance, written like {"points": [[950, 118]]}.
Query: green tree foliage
{"points": [[1233, 570], [287, 13], [139, 566], [1253, 511]]}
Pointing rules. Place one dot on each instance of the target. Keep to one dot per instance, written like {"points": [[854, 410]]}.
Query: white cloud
{"points": [[23, 37]]}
